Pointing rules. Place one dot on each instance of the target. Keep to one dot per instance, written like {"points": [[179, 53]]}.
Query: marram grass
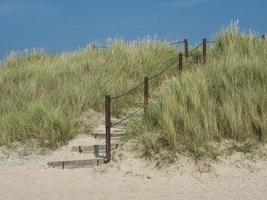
{"points": [[43, 96], [225, 99]]}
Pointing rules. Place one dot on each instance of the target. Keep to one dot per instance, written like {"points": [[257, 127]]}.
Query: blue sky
{"points": [[65, 25]]}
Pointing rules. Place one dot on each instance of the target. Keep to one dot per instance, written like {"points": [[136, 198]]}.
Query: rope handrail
{"points": [[138, 110], [154, 76], [161, 72], [158, 74], [128, 92], [194, 49], [175, 42], [102, 47], [170, 43], [211, 41], [108, 99], [151, 78], [129, 116], [181, 42], [260, 36]]}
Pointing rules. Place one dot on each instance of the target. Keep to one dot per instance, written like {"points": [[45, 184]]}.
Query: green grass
{"points": [[43, 96], [224, 99]]}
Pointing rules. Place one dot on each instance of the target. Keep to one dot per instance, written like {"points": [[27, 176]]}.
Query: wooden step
{"points": [[103, 135], [96, 149], [119, 129], [72, 164]]}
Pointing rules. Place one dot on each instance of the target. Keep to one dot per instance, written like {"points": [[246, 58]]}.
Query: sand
{"points": [[134, 178], [28, 177]]}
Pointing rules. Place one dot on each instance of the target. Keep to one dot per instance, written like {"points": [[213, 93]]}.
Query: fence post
{"points": [[180, 63], [146, 81], [108, 126], [186, 48], [263, 37], [204, 43]]}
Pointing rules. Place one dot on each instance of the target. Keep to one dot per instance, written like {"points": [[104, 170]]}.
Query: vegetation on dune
{"points": [[43, 96], [223, 99]]}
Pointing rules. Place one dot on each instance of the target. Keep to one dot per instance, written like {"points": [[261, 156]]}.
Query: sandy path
{"points": [[234, 177], [132, 179]]}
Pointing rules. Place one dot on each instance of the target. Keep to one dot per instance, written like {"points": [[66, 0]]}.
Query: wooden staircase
{"points": [[89, 155]]}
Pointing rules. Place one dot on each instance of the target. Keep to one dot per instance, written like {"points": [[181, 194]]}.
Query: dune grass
{"points": [[43, 96], [225, 99]]}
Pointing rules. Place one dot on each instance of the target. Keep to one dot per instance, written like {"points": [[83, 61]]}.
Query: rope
{"points": [[260, 36], [102, 47], [152, 77], [124, 119], [132, 114], [170, 43], [128, 92], [136, 87], [156, 75], [175, 42], [161, 72], [194, 49], [211, 41]]}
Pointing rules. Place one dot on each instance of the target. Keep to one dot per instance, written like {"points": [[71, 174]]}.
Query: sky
{"points": [[67, 25]]}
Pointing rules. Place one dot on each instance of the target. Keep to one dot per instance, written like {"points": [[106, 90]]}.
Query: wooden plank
{"points": [[96, 149], [113, 135], [114, 131], [72, 164]]}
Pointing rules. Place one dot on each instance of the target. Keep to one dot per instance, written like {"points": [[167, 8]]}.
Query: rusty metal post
{"points": [[204, 43], [146, 81], [108, 127], [263, 37], [186, 48], [180, 63]]}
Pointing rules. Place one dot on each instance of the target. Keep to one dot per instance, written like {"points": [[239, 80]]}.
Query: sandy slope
{"points": [[28, 177]]}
